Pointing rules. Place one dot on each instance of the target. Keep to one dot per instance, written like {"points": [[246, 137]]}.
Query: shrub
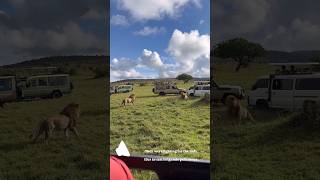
{"points": [[100, 73]]}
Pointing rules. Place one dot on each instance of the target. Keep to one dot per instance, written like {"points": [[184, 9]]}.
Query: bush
{"points": [[310, 115], [100, 73]]}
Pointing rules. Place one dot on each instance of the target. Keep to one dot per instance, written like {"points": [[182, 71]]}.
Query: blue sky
{"points": [[152, 39]]}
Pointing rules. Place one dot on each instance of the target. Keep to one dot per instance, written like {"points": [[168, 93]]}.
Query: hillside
{"points": [[282, 56], [60, 60]]}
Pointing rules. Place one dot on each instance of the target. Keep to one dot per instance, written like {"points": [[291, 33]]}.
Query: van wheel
{"points": [[56, 94], [191, 94], [162, 93], [262, 104]]}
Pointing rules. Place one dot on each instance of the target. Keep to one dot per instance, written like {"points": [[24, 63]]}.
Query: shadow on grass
{"points": [[13, 146], [199, 102], [150, 96], [287, 130]]}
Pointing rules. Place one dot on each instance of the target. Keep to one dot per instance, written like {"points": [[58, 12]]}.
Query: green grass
{"points": [[270, 148], [160, 123], [83, 158]]}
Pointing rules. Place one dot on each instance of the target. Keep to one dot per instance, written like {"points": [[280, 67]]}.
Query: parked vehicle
{"points": [[123, 88], [163, 88], [221, 92], [285, 90], [8, 91], [53, 86], [199, 90], [112, 89]]}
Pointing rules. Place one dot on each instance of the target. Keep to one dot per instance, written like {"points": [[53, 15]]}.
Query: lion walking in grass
{"points": [[184, 95], [235, 109], [129, 100], [65, 121]]}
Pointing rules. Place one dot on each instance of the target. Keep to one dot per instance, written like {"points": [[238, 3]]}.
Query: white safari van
{"points": [[285, 90], [199, 90], [53, 86], [7, 88]]}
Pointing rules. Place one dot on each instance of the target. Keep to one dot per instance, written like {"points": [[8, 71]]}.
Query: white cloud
{"points": [[299, 35], [151, 59], [92, 14], [188, 49], [146, 31], [189, 53], [123, 69], [119, 20], [154, 9]]}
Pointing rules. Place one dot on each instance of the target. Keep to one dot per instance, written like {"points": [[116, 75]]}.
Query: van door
{"points": [[282, 93], [306, 89], [259, 91], [43, 89], [31, 88]]}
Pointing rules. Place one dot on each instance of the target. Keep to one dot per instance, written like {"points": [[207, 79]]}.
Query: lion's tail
{"points": [[250, 117]]}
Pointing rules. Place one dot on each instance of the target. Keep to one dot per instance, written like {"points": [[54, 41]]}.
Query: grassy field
{"points": [[271, 148], [83, 158], [160, 123]]}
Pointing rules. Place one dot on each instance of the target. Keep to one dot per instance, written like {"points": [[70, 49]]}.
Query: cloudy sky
{"points": [[40, 28], [152, 39], [286, 25]]}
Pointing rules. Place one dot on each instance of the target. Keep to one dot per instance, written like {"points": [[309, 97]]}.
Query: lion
{"points": [[72, 110], [235, 109], [184, 95], [65, 121], [129, 100]]}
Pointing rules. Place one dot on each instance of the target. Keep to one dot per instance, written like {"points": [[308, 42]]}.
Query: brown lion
{"points": [[65, 121], [128, 100], [235, 109], [184, 95]]}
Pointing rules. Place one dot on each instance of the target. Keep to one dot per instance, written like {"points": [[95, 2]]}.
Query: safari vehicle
{"points": [[199, 90], [53, 86], [286, 89], [163, 88], [8, 88], [112, 89], [123, 88], [221, 92]]}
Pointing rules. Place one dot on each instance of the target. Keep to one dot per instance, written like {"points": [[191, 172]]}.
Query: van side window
{"points": [[206, 88], [33, 82], [57, 81], [42, 82], [5, 84], [308, 84], [261, 83], [282, 84]]}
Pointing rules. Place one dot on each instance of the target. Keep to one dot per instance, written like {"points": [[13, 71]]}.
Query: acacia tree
{"points": [[184, 77], [240, 50]]}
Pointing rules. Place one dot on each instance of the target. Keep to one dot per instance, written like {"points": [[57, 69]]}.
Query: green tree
{"points": [[184, 77], [240, 50]]}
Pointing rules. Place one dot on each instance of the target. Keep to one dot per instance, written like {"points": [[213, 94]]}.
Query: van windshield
{"points": [[5, 84], [261, 83]]}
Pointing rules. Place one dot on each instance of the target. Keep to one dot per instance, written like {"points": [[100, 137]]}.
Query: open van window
{"points": [[282, 84], [261, 83], [5, 84]]}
